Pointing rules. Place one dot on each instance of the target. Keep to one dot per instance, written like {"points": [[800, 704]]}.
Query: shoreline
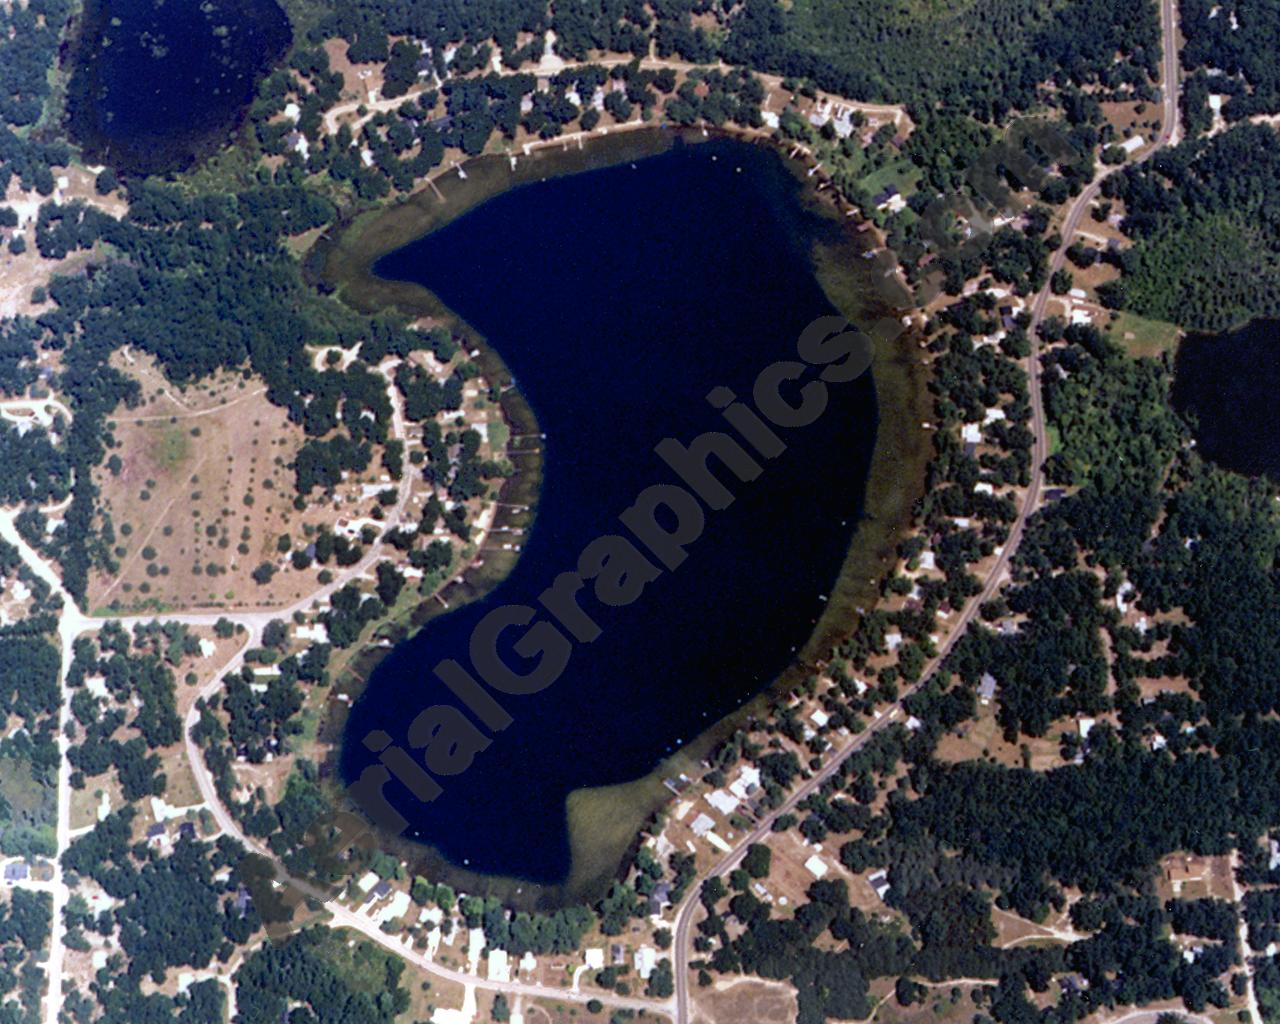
{"points": [[342, 261]]}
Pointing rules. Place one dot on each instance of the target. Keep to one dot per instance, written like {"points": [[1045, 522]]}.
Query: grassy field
{"points": [[1142, 337], [899, 173], [31, 804], [199, 489]]}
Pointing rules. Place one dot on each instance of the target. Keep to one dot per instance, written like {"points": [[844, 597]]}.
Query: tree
{"points": [[757, 860]]}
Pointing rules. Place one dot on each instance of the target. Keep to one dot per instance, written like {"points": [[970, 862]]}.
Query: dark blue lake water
{"points": [[1228, 383], [160, 84], [618, 298]]}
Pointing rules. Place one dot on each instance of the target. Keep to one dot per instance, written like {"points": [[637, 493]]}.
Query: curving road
{"points": [[1168, 134], [73, 623]]}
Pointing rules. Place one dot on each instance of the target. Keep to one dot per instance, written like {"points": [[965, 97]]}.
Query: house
{"points": [[187, 830], [243, 901], [394, 910], [747, 783], [155, 834], [879, 881], [646, 960], [882, 198], [702, 824], [617, 955], [816, 866], [499, 966], [15, 873], [659, 898], [594, 958], [722, 801], [986, 687], [378, 892]]}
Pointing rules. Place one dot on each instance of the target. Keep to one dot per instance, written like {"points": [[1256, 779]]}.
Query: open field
{"points": [[745, 999], [1141, 337], [200, 493]]}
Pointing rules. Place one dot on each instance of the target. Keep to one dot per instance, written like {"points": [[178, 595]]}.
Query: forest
{"points": [[1204, 219], [137, 674], [171, 910], [24, 939], [998, 52], [315, 972], [30, 34], [29, 666], [1230, 48]]}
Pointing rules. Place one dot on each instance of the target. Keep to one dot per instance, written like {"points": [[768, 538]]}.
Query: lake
{"points": [[158, 85], [618, 298], [1228, 382]]}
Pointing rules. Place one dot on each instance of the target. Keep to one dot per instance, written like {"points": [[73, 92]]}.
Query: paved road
{"points": [[1242, 933], [346, 918], [333, 116], [73, 623], [687, 912]]}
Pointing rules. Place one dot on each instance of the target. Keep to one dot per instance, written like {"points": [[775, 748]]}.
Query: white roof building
{"points": [[722, 801], [748, 779], [499, 966], [646, 960], [394, 910], [816, 866]]}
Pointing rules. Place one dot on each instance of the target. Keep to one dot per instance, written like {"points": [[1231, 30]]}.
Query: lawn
{"points": [[899, 173], [1142, 337]]}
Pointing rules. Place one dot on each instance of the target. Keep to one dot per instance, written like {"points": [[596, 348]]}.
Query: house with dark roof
{"points": [[15, 873], [379, 892], [885, 196]]}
